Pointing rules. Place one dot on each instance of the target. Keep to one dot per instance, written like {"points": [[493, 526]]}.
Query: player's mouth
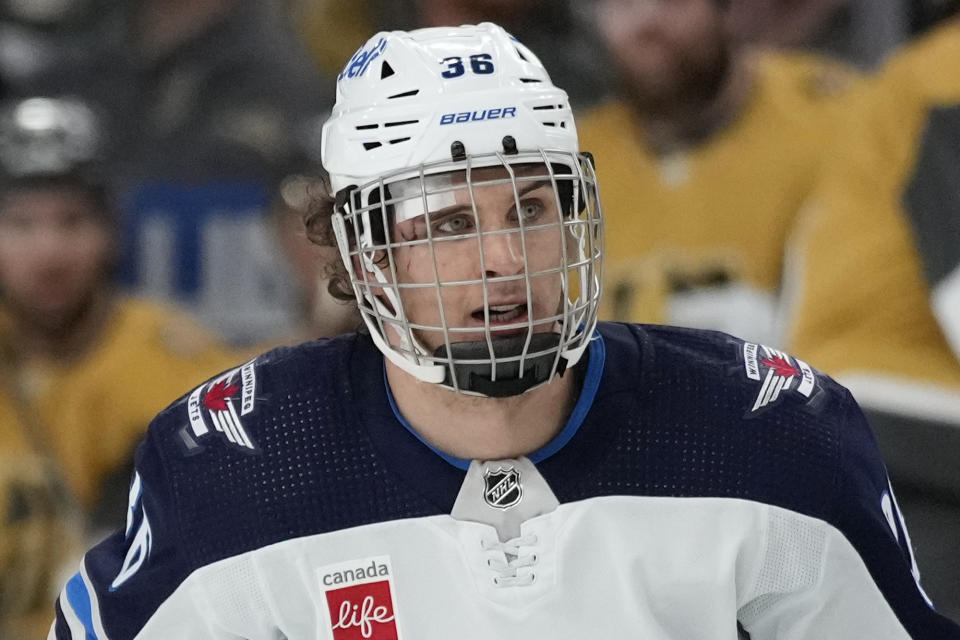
{"points": [[501, 314]]}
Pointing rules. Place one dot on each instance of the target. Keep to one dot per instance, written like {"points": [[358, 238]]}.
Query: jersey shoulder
{"points": [[234, 410], [764, 378], [717, 359], [724, 417], [267, 450]]}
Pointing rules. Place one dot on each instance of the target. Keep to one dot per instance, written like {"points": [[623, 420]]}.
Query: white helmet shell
{"points": [[405, 98]]}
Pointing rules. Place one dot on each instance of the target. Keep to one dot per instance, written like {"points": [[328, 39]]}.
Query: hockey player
{"points": [[487, 460]]}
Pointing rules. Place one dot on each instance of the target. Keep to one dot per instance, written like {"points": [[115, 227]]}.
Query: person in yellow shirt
{"points": [[82, 370], [709, 151], [876, 274]]}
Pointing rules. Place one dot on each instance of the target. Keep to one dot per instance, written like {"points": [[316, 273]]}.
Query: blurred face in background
{"points": [[668, 53], [55, 251]]}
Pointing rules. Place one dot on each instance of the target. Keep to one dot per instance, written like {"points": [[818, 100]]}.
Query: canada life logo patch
{"points": [[779, 372], [359, 599], [222, 403]]}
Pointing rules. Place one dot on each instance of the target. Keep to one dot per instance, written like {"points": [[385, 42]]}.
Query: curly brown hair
{"points": [[318, 224]]}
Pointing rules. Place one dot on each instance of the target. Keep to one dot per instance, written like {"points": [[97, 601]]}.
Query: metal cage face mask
{"points": [[481, 275]]}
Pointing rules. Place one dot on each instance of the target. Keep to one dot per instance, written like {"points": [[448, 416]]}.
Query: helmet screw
{"points": [[458, 151], [509, 145]]}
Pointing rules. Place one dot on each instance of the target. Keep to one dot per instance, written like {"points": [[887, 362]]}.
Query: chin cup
{"points": [[478, 377]]}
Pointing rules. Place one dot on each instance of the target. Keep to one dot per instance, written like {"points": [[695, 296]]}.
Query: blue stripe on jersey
{"points": [[591, 383], [79, 600]]}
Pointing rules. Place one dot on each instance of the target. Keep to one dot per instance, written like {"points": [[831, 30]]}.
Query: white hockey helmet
{"points": [[420, 115]]}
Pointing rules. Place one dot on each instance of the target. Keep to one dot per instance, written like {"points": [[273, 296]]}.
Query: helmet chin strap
{"points": [[433, 373], [496, 378]]}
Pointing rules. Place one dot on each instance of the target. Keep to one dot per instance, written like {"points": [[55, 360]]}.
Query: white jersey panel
{"points": [[611, 567], [813, 584]]}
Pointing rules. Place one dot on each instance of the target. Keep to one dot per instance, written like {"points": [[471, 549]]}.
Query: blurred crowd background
{"points": [[785, 170]]}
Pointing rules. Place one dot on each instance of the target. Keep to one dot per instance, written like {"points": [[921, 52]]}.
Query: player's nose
{"points": [[502, 252]]}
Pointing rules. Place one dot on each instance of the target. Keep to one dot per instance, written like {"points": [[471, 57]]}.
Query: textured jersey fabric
{"points": [[877, 266], [715, 217], [710, 482]]}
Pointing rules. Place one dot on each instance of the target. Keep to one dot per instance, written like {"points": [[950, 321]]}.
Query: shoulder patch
{"points": [[779, 375], [223, 404]]}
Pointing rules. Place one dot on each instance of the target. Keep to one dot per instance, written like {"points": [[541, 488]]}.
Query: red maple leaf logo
{"points": [[781, 366], [216, 397]]}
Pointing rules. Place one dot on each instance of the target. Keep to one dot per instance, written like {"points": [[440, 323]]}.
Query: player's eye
{"points": [[530, 211], [453, 225]]}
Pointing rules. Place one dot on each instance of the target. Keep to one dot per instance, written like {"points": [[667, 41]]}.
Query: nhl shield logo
{"points": [[501, 488]]}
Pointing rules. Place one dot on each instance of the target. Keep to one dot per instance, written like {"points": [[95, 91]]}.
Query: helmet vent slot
{"points": [[400, 123], [386, 70], [362, 127], [530, 80], [398, 140], [520, 53], [406, 94], [371, 145]]}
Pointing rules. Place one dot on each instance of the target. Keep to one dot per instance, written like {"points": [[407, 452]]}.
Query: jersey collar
{"points": [[591, 382]]}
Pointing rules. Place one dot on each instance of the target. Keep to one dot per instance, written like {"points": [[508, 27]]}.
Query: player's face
{"points": [[522, 268], [54, 252], [666, 51]]}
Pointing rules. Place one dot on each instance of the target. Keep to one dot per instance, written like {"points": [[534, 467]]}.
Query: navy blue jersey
{"points": [[701, 484]]}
